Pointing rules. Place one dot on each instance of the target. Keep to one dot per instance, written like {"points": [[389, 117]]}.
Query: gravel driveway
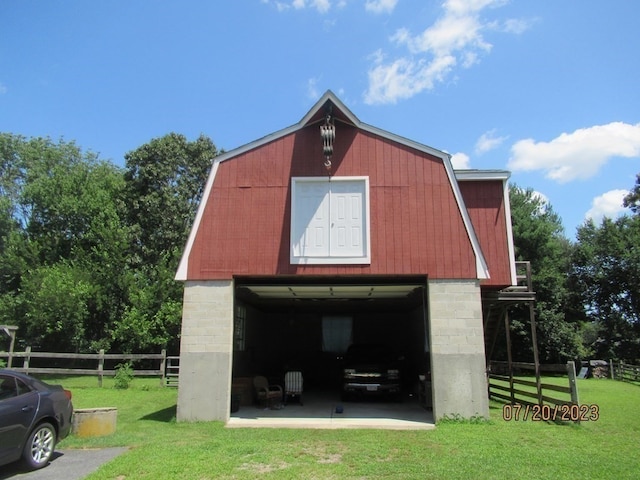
{"points": [[65, 465]]}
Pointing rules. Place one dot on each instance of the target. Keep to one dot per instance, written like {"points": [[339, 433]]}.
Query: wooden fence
{"points": [[626, 372], [504, 386], [172, 371], [105, 364]]}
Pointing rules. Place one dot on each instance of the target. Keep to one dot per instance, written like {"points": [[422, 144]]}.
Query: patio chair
{"points": [[267, 394], [293, 383]]}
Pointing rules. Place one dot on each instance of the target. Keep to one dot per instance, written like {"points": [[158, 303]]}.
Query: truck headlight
{"points": [[349, 372]]}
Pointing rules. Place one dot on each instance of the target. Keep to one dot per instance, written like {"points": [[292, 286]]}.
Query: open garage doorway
{"points": [[306, 324]]}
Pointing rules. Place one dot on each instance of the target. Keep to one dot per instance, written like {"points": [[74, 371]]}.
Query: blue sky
{"points": [[548, 90]]}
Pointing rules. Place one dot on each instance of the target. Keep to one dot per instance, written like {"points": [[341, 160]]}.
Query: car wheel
{"points": [[40, 446]]}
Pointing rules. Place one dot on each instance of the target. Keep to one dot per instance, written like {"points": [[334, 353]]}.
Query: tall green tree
{"points": [[65, 249], [88, 251], [165, 181], [606, 273], [539, 238]]}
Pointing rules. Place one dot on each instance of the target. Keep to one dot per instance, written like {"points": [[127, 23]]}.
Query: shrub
{"points": [[123, 376]]}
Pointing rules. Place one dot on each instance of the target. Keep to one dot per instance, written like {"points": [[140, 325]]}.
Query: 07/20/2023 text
{"points": [[551, 413]]}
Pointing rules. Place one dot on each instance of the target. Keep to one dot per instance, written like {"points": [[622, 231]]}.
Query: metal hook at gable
{"points": [[328, 135]]}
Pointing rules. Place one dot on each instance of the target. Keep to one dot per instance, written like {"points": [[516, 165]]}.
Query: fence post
{"points": [[509, 358], [613, 377], [534, 344], [11, 346], [100, 366], [571, 373], [163, 367], [27, 358]]}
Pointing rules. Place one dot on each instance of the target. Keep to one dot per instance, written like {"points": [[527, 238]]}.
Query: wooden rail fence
{"points": [[504, 386], [168, 376], [626, 372], [172, 371]]}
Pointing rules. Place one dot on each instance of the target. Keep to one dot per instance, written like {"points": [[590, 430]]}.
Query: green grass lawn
{"points": [[160, 448]]}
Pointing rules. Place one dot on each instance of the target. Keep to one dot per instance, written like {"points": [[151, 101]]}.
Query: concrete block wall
{"points": [[457, 349], [206, 351]]}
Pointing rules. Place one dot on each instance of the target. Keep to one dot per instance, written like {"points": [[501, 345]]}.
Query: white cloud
{"points": [[465, 7], [312, 89], [456, 38], [543, 202], [322, 6], [3, 89], [577, 155], [404, 78], [280, 6], [515, 25], [460, 161], [541, 197], [488, 141], [380, 6], [608, 204], [449, 34]]}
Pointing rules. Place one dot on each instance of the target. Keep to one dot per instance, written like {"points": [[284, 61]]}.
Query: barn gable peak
{"points": [[329, 102]]}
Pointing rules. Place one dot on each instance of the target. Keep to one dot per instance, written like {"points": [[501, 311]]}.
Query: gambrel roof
{"points": [[342, 115]]}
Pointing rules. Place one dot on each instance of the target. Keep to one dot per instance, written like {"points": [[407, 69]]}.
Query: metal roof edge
{"points": [[482, 268], [465, 174]]}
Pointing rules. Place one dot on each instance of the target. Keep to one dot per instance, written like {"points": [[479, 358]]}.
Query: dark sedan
{"points": [[34, 416]]}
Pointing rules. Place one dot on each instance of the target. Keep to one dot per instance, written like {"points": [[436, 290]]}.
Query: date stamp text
{"points": [[551, 413]]}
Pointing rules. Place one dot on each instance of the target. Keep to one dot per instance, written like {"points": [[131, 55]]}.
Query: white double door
{"points": [[330, 218]]}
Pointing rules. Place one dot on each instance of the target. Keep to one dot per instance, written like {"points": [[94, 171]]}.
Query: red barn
{"points": [[332, 232]]}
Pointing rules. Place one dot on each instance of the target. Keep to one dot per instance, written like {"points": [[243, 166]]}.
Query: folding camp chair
{"points": [[293, 383]]}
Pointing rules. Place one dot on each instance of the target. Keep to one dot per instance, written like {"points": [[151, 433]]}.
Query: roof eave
{"points": [[463, 175]]}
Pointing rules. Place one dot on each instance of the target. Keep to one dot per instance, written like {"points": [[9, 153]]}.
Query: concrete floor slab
{"points": [[320, 410]]}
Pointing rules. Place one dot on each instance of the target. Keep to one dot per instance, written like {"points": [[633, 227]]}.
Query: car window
{"points": [[22, 387], [8, 387]]}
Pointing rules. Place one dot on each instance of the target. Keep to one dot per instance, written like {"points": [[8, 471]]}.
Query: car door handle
{"points": [[27, 408]]}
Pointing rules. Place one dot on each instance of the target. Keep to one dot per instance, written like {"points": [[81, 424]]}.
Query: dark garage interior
{"points": [[306, 323]]}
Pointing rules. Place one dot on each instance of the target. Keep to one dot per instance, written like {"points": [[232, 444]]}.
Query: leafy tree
{"points": [[65, 248], [12, 172], [606, 273], [632, 200], [88, 251], [165, 182], [57, 300], [12, 236], [539, 238], [152, 316]]}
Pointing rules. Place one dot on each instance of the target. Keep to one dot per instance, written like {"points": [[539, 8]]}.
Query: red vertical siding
{"points": [[485, 203], [415, 224]]}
